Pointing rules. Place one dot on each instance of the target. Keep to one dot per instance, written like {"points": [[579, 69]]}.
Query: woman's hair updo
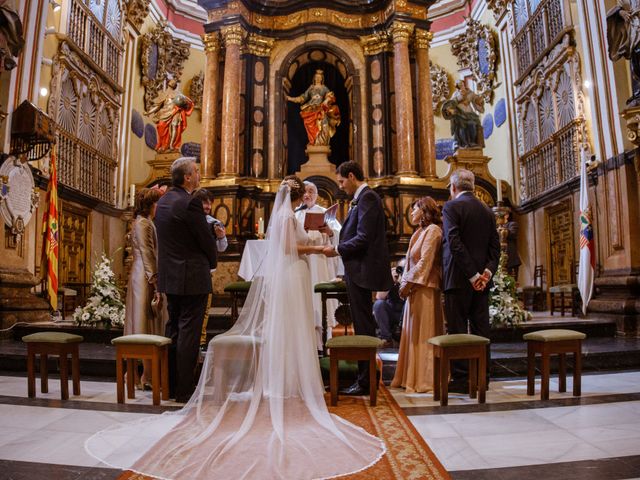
{"points": [[296, 187]]}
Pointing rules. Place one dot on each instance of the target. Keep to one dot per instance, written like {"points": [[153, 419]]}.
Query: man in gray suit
{"points": [[470, 252], [186, 255]]}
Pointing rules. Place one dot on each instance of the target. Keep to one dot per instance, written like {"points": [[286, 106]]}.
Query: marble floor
{"points": [[512, 436]]}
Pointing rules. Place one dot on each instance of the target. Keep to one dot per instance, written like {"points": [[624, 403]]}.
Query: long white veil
{"points": [[258, 411]]}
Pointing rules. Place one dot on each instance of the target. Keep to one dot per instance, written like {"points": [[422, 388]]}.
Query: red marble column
{"points": [[232, 36], [426, 127], [401, 32], [209, 104]]}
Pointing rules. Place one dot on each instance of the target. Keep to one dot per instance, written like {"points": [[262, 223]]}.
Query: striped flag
{"points": [[587, 267], [51, 235]]}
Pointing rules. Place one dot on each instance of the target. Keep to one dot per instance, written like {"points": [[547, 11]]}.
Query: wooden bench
{"points": [[53, 343], [353, 347], [554, 342], [459, 346], [143, 347]]}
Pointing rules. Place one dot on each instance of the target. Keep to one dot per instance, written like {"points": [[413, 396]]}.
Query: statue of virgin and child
{"points": [[259, 408], [319, 112]]}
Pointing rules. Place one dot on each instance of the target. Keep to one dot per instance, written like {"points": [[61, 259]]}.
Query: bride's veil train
{"points": [[258, 411]]}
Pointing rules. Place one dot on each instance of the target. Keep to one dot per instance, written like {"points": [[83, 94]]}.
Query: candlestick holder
{"points": [[501, 211]]}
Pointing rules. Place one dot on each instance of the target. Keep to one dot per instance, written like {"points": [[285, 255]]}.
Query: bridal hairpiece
{"points": [[290, 184]]}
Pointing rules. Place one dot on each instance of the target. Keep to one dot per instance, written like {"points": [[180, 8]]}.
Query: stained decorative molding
{"points": [[439, 85], [136, 11], [476, 50], [196, 89], [162, 58], [375, 43], [498, 7], [259, 45]]}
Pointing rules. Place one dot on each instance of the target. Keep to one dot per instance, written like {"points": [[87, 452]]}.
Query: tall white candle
{"points": [[132, 195], [261, 226], [499, 189]]}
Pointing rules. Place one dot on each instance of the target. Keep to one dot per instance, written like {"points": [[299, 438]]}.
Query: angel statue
{"points": [[170, 111], [463, 109], [318, 110], [623, 36]]}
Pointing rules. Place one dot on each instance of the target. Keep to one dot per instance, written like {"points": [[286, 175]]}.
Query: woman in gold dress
{"points": [[140, 316], [420, 285]]}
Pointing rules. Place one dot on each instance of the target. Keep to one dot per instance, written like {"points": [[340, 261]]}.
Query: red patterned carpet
{"points": [[408, 456]]}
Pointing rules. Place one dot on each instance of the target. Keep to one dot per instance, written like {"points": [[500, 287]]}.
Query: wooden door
{"points": [[560, 244]]}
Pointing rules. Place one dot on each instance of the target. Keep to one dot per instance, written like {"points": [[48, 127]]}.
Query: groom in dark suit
{"points": [[470, 251], [186, 255], [365, 255]]}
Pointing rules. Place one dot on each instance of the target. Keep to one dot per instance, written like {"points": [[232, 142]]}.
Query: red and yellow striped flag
{"points": [[50, 232]]}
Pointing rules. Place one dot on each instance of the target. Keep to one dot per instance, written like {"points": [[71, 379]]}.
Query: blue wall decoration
{"points": [[445, 147], [137, 124], [150, 136], [500, 112], [487, 125], [190, 149]]}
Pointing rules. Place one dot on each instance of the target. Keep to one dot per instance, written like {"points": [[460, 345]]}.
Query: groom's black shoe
{"points": [[355, 389]]}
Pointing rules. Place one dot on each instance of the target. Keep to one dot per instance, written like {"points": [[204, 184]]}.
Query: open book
{"points": [[313, 221]]}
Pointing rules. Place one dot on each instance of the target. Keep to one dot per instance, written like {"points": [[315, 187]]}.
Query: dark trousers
{"points": [[361, 308], [467, 311], [388, 315], [184, 326]]}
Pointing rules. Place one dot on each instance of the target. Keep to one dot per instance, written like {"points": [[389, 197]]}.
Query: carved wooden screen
{"points": [[560, 244], [85, 96], [74, 249]]}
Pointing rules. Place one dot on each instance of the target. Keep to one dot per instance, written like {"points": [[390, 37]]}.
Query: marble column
{"points": [[400, 33], [426, 127], [209, 104], [232, 37]]}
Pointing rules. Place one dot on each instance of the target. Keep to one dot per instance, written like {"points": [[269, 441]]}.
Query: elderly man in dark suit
{"points": [[471, 251], [186, 255], [365, 255]]}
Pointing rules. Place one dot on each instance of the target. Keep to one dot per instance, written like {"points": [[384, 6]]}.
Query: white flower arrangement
{"points": [[504, 308], [105, 303]]}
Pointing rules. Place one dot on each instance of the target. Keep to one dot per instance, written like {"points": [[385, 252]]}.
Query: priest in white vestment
{"points": [[322, 269]]}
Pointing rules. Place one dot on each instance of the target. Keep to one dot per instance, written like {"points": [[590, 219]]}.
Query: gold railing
{"points": [[543, 30], [83, 168], [550, 163]]}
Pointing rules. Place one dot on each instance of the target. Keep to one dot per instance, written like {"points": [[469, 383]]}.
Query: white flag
{"points": [[586, 270]]}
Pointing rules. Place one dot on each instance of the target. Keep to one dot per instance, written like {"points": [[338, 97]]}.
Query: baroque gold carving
{"points": [[136, 11], [232, 34], [162, 58], [423, 38], [498, 7], [401, 31], [211, 41], [439, 85], [259, 45], [196, 89], [375, 43], [476, 50]]}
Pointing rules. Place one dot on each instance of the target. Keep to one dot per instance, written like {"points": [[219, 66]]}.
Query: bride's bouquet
{"points": [[104, 305]]}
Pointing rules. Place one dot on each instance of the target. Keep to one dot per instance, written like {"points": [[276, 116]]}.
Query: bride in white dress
{"points": [[259, 410]]}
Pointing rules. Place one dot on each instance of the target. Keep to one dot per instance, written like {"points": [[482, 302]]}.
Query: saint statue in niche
{"points": [[623, 36], [463, 109], [170, 111], [11, 40], [319, 112]]}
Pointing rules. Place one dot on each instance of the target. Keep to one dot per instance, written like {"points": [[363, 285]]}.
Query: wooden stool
{"points": [[53, 343], [143, 347], [232, 352], [552, 342], [459, 346], [353, 347], [238, 290]]}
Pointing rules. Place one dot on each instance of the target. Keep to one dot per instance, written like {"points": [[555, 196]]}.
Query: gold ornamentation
{"points": [[401, 31], [162, 58], [375, 43], [423, 38], [232, 34], [478, 39], [136, 11], [439, 85], [259, 45], [211, 41], [347, 20], [290, 21], [498, 7], [196, 90]]}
